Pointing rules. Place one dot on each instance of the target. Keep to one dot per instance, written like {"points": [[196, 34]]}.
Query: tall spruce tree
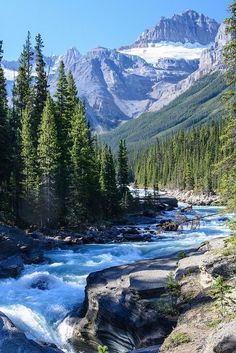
{"points": [[23, 87], [83, 201], [4, 138], [123, 169], [29, 182], [63, 121], [40, 87], [49, 164], [227, 166], [108, 183], [22, 97], [72, 94]]}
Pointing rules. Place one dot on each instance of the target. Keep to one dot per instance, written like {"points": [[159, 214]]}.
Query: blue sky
{"points": [[86, 24]]}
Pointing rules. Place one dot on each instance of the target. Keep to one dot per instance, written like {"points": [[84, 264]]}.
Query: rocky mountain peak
{"points": [[187, 27]]}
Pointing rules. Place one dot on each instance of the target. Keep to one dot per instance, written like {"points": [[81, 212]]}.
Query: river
{"points": [[39, 312]]}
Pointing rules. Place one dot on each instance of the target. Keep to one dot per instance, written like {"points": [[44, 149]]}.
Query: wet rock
{"points": [[11, 266], [168, 225], [131, 231], [12, 340], [152, 349], [115, 312]]}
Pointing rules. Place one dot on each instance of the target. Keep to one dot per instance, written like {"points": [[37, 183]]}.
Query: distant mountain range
{"points": [[120, 84]]}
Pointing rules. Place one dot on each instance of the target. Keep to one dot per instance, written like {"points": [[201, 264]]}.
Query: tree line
{"points": [[52, 170], [183, 161]]}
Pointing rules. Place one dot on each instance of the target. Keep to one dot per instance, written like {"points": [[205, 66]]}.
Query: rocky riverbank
{"points": [[194, 198], [18, 247], [120, 308]]}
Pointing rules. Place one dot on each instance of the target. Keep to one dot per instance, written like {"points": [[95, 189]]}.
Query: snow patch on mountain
{"points": [[155, 51], [10, 75]]}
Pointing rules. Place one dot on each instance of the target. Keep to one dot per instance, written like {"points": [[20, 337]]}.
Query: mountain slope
{"points": [[198, 104]]}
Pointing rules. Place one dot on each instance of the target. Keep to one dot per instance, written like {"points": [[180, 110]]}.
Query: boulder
{"points": [[11, 266], [12, 340], [115, 311]]}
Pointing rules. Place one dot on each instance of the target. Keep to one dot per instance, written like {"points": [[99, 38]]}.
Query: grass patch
{"points": [[215, 322], [230, 246], [176, 339], [232, 224]]}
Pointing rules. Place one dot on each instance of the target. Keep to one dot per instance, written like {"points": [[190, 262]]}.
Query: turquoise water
{"points": [[40, 313]]}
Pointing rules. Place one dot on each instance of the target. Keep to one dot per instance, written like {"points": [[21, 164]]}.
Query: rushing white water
{"points": [[38, 301]]}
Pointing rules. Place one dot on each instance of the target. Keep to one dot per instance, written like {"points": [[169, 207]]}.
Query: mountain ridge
{"points": [[118, 86]]}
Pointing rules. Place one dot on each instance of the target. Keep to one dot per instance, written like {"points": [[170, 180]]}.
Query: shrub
{"points": [[220, 293], [172, 288], [181, 255], [103, 349], [176, 339]]}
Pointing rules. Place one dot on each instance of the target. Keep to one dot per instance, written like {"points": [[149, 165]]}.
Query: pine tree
{"points": [[83, 200], [4, 139], [40, 87], [22, 97], [108, 183], [123, 170], [63, 121], [72, 94], [23, 87], [49, 163], [29, 182], [228, 163]]}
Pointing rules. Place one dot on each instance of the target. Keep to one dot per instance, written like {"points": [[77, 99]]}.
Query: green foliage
{"points": [[29, 182], [232, 224], [228, 137], [4, 140], [230, 246], [83, 199], [103, 349], [220, 292], [122, 175], [40, 87], [164, 307], [172, 288], [183, 161], [167, 305], [176, 339], [49, 164], [108, 183], [181, 255], [23, 88]]}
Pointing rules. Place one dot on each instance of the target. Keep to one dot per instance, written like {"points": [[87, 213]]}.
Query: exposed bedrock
{"points": [[118, 310]]}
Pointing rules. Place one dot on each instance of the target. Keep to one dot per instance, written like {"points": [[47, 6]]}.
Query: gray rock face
{"points": [[189, 26], [222, 341], [211, 60], [115, 311], [13, 340], [117, 87]]}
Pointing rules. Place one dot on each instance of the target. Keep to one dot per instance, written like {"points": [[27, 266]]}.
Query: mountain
{"points": [[120, 84], [191, 101], [188, 27], [199, 104]]}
